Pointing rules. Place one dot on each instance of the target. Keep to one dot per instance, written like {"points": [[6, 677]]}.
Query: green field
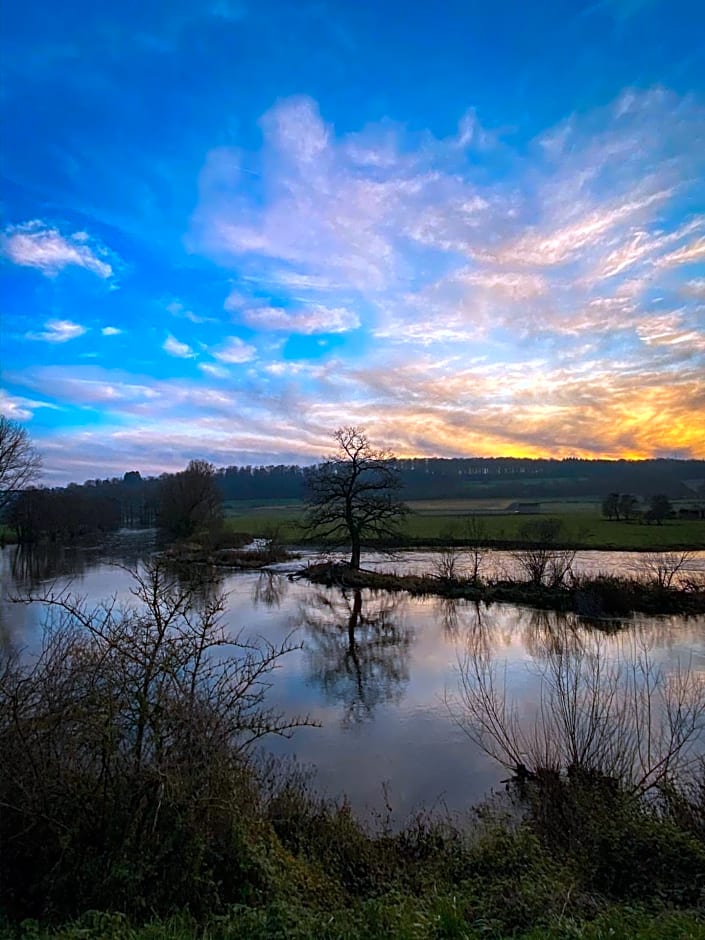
{"points": [[434, 520]]}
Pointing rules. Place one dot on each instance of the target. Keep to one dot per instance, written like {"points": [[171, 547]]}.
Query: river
{"points": [[374, 670]]}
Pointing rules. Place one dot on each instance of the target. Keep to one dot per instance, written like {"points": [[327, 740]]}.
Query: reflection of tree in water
{"points": [[270, 589], [37, 563], [466, 621], [201, 582], [31, 565], [358, 650], [548, 633]]}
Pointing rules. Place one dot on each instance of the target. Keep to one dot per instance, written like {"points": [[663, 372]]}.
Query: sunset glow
{"points": [[475, 229]]}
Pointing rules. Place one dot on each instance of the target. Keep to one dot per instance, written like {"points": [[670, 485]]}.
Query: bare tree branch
{"points": [[19, 462], [352, 495]]}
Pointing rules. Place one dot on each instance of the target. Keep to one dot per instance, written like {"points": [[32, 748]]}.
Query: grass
{"points": [[432, 521], [393, 917]]}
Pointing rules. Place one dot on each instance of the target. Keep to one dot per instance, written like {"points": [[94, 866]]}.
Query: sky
{"points": [[229, 227]]}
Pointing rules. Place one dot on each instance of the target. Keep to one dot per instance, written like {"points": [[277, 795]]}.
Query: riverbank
{"points": [[249, 557], [586, 862], [155, 813], [597, 597]]}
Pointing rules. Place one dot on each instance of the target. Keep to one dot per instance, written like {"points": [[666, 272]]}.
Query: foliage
{"points": [[627, 506], [610, 506], [189, 503], [352, 495], [660, 508]]}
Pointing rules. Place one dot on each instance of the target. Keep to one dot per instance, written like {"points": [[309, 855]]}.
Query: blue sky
{"points": [[230, 227]]}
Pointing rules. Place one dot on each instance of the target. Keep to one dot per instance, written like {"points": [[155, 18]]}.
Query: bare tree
{"points": [[475, 537], [617, 715], [352, 495], [543, 561], [663, 568], [19, 462], [455, 562], [125, 743]]}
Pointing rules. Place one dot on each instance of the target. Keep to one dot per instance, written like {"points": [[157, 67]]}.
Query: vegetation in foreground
{"points": [[134, 806]]}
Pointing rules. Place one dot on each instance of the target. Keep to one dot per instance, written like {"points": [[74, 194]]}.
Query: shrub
{"points": [[126, 781]]}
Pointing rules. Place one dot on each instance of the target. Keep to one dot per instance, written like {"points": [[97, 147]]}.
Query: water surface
{"points": [[374, 669]]}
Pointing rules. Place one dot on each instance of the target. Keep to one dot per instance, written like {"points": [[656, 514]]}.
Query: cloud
{"points": [[314, 319], [177, 309], [234, 350], [20, 408], [217, 372], [336, 211], [536, 299], [111, 331], [173, 347], [35, 244], [58, 331]]}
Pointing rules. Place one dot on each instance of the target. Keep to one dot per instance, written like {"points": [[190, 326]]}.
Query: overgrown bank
{"points": [[130, 785], [602, 596]]}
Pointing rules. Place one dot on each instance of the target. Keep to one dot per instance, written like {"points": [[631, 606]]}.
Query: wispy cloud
{"points": [[58, 331], [173, 347], [234, 350], [314, 319], [37, 245], [20, 408], [578, 255], [216, 372], [111, 331]]}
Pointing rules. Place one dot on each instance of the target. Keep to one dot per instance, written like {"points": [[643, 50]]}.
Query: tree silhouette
{"points": [[19, 462], [660, 508], [352, 495], [189, 502]]}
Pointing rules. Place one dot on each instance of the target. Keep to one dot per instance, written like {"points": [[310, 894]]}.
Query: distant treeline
{"points": [[133, 500], [73, 511], [495, 477]]}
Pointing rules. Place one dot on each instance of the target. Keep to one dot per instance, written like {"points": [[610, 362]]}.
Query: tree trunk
{"points": [[355, 549]]}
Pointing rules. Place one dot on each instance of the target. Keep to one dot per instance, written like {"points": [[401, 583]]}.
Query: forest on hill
{"points": [[133, 500]]}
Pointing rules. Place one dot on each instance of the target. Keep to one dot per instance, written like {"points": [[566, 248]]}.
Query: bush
{"points": [[126, 781]]}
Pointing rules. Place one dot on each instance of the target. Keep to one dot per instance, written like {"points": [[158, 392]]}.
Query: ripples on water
{"points": [[374, 668]]}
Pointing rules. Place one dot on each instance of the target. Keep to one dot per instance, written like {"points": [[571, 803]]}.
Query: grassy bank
{"points": [[443, 521], [586, 861]]}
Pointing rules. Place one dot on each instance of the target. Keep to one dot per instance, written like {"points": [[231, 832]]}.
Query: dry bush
{"points": [[665, 569], [616, 715], [125, 747]]}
